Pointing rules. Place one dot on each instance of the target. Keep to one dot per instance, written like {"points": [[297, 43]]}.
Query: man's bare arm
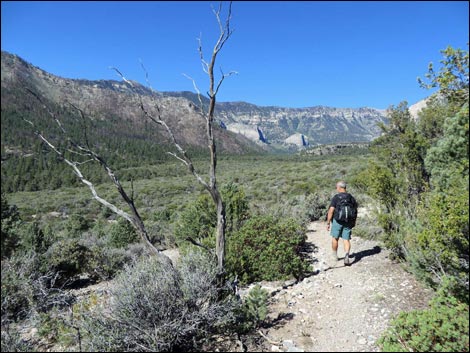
{"points": [[331, 210]]}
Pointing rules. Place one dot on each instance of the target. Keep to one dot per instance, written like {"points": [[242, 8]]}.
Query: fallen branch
{"points": [[269, 340]]}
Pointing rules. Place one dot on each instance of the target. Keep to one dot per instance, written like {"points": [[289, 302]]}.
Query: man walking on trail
{"points": [[341, 219]]}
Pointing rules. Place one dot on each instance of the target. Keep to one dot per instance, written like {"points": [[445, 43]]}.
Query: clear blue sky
{"points": [[286, 53]]}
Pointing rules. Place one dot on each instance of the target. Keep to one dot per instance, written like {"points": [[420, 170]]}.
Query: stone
{"points": [[362, 341], [287, 344]]}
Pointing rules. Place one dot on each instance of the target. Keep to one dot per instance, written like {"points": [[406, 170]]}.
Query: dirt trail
{"points": [[341, 308]]}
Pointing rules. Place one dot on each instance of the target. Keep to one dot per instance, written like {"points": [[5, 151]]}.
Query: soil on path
{"points": [[341, 308]]}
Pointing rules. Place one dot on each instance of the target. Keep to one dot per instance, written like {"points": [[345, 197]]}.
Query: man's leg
{"points": [[347, 244], [334, 251], [334, 244], [335, 235]]}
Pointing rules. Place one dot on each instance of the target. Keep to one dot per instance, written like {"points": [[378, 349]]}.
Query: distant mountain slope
{"points": [[109, 101]]}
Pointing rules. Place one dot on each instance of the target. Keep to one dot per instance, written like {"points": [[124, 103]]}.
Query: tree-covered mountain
{"points": [[115, 124]]}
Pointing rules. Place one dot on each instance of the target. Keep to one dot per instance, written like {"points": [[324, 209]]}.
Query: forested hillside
{"points": [[113, 124]]}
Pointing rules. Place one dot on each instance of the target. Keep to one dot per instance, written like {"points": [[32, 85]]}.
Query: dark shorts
{"points": [[340, 230]]}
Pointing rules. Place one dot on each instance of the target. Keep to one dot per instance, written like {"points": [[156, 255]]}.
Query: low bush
{"points": [[10, 218], [12, 341], [66, 258], [442, 328], [76, 225], [439, 246], [122, 234], [198, 221], [254, 309], [156, 307], [316, 206], [267, 248], [17, 289]]}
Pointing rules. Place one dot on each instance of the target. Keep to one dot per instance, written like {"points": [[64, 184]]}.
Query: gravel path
{"points": [[341, 308]]}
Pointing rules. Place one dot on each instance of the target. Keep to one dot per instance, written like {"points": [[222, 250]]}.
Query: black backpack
{"points": [[345, 210]]}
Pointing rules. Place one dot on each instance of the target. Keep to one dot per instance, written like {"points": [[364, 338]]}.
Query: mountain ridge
{"points": [[266, 125]]}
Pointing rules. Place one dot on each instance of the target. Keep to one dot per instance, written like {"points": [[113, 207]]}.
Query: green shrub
{"points": [[122, 234], [267, 248], [33, 238], [53, 327], [198, 221], [104, 262], [67, 258], [316, 206], [12, 341], [303, 188], [438, 240], [442, 328], [255, 308], [26, 289], [17, 289], [10, 222], [76, 225], [236, 206]]}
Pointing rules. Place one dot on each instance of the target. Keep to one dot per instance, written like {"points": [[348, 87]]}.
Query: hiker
{"points": [[342, 218]]}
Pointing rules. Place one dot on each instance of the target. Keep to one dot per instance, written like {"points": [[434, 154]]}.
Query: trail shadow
{"points": [[280, 321], [77, 283], [356, 257], [307, 249], [306, 254]]}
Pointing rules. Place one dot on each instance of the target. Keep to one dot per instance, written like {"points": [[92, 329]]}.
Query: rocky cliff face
{"points": [[279, 126], [319, 125], [298, 140]]}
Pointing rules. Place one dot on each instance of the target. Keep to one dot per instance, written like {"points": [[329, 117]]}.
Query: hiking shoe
{"points": [[347, 262]]}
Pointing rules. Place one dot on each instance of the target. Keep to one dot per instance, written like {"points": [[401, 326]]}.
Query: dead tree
{"points": [[225, 33], [209, 116], [82, 151]]}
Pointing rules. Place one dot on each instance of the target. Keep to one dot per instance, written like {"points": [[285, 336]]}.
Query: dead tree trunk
{"points": [[225, 33], [181, 155]]}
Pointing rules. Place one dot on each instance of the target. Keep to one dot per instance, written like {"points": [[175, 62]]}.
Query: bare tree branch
{"points": [[133, 218], [201, 105], [205, 65], [159, 121], [194, 242], [223, 78]]}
